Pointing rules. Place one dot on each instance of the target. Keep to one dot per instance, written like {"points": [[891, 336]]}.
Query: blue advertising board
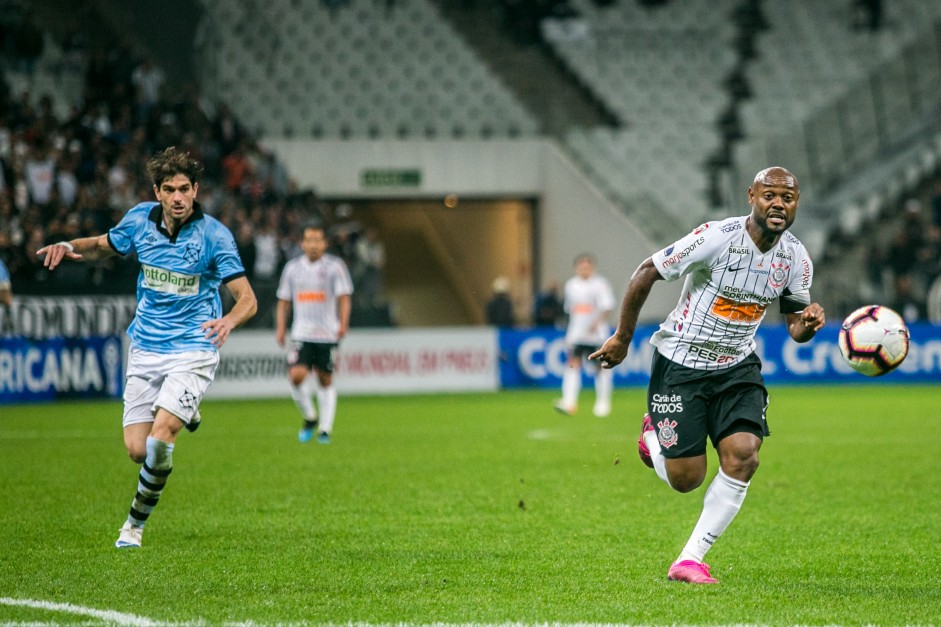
{"points": [[536, 358], [57, 368]]}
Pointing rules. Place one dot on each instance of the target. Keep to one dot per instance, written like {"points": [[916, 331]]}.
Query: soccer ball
{"points": [[874, 340]]}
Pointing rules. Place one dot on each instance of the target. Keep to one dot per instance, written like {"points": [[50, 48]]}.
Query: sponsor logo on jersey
{"points": [[667, 433], [805, 274], [669, 261], [741, 294], [312, 297], [170, 282], [737, 311], [699, 229], [710, 351], [738, 250], [783, 254], [731, 228]]}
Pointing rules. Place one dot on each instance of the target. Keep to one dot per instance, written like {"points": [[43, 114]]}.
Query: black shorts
{"points": [[582, 351], [317, 355], [686, 404]]}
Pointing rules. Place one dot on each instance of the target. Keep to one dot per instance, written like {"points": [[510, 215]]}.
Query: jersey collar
{"points": [[156, 216]]}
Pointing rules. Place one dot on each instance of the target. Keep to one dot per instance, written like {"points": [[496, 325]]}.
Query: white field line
{"points": [[108, 616]]}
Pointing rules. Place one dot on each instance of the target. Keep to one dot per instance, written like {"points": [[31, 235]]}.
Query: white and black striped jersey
{"points": [[313, 287], [729, 285]]}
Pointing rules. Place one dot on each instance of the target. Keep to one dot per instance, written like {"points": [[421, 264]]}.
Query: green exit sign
{"points": [[390, 178]]}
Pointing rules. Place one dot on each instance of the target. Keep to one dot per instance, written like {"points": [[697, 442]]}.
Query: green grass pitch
{"points": [[473, 508]]}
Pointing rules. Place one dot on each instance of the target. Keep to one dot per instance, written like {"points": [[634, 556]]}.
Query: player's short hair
{"points": [[315, 224], [167, 164], [584, 257]]}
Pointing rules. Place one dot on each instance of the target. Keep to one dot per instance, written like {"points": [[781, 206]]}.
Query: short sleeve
{"points": [[687, 254], [227, 260], [342, 283], [121, 235], [285, 292]]}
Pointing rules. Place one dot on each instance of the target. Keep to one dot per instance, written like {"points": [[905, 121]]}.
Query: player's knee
{"points": [[740, 467], [137, 454], [685, 484], [738, 455], [685, 480], [297, 375]]}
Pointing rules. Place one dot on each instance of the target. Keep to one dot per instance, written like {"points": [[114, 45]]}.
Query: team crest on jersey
{"points": [[667, 433], [191, 252], [778, 275]]}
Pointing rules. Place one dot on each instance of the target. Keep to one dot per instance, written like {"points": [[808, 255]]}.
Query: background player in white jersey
{"points": [[706, 379], [316, 287], [588, 300], [178, 326]]}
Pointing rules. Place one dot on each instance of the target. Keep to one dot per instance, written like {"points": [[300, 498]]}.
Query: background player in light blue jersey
{"points": [[6, 297], [179, 324]]}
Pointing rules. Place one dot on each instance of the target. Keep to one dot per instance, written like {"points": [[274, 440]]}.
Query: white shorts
{"points": [[175, 382]]}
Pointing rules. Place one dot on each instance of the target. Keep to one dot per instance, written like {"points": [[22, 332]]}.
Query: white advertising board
{"points": [[369, 361]]}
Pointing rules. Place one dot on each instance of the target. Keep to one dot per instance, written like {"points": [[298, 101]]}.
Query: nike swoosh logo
{"points": [[736, 268]]}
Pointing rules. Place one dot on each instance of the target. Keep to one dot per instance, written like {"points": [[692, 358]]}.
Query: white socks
{"points": [[327, 403], [571, 386], [604, 382], [303, 398], [723, 499], [659, 461]]}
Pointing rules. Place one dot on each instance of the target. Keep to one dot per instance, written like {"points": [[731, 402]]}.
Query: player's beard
{"points": [[775, 228]]}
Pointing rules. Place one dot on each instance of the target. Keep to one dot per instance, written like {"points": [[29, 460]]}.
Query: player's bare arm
{"points": [[245, 306], [344, 306], [81, 249], [282, 313], [803, 326], [614, 350]]}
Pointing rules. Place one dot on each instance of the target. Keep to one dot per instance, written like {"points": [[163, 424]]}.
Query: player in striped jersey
{"points": [[588, 300], [705, 379], [178, 326], [317, 288]]}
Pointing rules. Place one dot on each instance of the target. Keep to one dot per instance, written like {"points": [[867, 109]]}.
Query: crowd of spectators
{"points": [[74, 175], [906, 271]]}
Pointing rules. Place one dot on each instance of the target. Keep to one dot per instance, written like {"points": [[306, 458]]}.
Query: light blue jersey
{"points": [[178, 287], [4, 275]]}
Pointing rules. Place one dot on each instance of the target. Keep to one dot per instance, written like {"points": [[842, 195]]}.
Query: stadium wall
{"points": [[409, 361], [573, 215]]}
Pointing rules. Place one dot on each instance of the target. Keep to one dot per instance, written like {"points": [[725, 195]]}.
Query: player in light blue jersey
{"points": [[6, 298], [179, 325]]}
